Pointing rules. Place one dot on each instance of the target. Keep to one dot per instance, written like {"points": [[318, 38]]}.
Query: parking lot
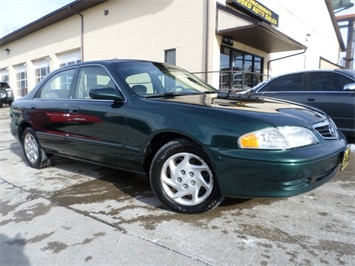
{"points": [[74, 213]]}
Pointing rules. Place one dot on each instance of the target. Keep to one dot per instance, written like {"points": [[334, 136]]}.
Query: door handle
{"points": [[311, 99], [73, 109], [32, 106]]}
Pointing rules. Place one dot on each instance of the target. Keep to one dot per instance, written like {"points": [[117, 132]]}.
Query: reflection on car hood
{"points": [[250, 103]]}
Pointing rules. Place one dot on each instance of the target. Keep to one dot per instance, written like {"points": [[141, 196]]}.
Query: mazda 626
{"points": [[196, 144]]}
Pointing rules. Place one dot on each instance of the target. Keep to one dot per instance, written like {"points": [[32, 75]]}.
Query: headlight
{"points": [[277, 138]]}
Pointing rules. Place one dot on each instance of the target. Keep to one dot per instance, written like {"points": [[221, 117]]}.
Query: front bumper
{"points": [[251, 173], [14, 130]]}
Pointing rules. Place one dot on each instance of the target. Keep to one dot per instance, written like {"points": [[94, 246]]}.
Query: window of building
{"points": [[42, 68], [4, 78], [40, 73], [69, 58], [69, 63], [21, 82], [239, 70], [4, 75], [170, 56]]}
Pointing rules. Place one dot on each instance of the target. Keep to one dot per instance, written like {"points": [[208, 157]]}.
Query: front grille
{"points": [[327, 129]]}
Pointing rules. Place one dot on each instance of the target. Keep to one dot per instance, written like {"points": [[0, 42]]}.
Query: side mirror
{"points": [[106, 94], [349, 87]]}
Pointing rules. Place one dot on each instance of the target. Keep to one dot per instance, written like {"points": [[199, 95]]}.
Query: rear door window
{"points": [[325, 91], [325, 81], [58, 86]]}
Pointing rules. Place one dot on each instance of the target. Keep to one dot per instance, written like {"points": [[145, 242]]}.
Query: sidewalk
{"points": [[30, 236]]}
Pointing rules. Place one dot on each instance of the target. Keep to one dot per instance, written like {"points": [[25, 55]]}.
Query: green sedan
{"points": [[195, 143]]}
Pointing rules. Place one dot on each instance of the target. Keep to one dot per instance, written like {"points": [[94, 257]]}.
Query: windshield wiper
{"points": [[166, 94], [210, 92], [172, 94]]}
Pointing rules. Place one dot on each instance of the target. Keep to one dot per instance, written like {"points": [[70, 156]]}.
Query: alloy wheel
{"points": [[31, 148], [186, 179]]}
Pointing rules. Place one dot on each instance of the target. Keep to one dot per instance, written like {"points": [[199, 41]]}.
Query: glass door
{"points": [[239, 70]]}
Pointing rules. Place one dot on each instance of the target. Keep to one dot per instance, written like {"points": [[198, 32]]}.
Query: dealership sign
{"points": [[257, 9]]}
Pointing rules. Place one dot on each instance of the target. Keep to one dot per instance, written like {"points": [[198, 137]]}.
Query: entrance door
{"points": [[239, 70]]}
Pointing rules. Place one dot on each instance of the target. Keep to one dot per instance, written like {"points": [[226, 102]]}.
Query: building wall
{"points": [[46, 46], [297, 20], [131, 30]]}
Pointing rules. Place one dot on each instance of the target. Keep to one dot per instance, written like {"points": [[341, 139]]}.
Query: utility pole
{"points": [[350, 44]]}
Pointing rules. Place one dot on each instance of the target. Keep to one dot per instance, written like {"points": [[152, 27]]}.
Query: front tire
{"points": [[182, 178], [34, 154]]}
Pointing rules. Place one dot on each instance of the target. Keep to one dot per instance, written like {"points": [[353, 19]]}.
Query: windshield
{"points": [[253, 89], [149, 79]]}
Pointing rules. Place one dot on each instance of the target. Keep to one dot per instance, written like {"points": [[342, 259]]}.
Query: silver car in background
{"points": [[6, 94]]}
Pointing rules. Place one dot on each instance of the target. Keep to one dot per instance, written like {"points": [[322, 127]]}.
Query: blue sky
{"points": [[15, 14]]}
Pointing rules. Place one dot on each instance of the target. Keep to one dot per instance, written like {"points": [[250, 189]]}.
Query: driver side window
{"points": [[140, 83], [92, 77]]}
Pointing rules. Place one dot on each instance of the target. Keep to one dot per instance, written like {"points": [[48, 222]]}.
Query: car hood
{"points": [[251, 104]]}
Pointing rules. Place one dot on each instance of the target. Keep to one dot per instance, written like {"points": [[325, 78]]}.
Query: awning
{"points": [[254, 33]]}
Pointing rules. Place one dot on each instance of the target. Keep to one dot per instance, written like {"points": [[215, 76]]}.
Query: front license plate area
{"points": [[345, 160]]}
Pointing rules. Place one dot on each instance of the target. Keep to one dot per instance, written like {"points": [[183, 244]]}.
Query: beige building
{"points": [[232, 44]]}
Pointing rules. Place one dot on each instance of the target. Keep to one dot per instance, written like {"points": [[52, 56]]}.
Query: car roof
{"points": [[109, 61], [106, 62], [348, 72]]}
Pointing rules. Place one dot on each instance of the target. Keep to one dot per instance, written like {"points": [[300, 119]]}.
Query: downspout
{"points": [[207, 40], [81, 34], [268, 63]]}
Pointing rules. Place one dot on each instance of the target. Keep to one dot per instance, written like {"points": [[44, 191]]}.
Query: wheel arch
{"points": [[158, 141], [22, 128]]}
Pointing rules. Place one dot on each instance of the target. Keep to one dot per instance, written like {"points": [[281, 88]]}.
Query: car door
{"points": [[47, 112], [96, 129], [326, 92], [287, 87]]}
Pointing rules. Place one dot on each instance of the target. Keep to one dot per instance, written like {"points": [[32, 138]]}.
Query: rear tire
{"points": [[183, 179], [34, 154]]}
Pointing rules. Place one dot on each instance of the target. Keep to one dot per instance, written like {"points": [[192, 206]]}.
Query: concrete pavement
{"points": [[74, 213]]}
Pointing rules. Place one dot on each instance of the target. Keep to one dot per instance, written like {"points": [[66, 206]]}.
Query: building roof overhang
{"points": [[264, 37], [254, 33], [58, 15]]}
